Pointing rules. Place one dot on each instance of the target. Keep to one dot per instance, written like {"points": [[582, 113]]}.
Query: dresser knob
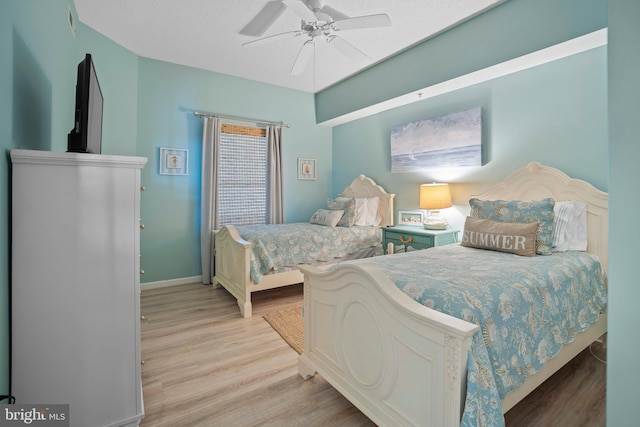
{"points": [[141, 226], [142, 188], [141, 272], [143, 318]]}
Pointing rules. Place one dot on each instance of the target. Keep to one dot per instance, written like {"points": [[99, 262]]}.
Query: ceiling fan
{"points": [[319, 21]]}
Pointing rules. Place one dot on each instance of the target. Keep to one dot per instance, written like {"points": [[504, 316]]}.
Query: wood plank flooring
{"points": [[204, 365]]}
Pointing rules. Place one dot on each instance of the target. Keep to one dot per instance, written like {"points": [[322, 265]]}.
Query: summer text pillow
{"points": [[512, 237], [348, 206], [522, 211], [326, 217]]}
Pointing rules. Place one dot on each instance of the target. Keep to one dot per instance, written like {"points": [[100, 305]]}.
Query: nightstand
{"points": [[408, 238]]}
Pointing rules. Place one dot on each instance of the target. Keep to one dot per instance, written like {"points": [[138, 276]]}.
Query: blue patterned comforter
{"points": [[279, 245], [527, 309]]}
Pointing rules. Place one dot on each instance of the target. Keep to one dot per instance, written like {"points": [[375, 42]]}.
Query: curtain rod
{"points": [[241, 119]]}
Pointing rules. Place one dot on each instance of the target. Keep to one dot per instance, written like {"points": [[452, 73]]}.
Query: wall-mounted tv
{"points": [[86, 135]]}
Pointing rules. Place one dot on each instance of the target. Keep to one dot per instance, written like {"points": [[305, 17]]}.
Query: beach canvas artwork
{"points": [[451, 140]]}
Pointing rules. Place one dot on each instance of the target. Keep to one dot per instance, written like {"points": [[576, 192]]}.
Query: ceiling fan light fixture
{"points": [[319, 20]]}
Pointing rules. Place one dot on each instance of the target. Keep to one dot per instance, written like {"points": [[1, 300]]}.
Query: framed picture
{"points": [[306, 168], [174, 161], [410, 218], [451, 140]]}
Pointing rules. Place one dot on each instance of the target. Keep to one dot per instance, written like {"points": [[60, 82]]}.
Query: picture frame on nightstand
{"points": [[409, 217]]}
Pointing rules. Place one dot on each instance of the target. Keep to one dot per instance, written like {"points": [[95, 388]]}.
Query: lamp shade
{"points": [[435, 196]]}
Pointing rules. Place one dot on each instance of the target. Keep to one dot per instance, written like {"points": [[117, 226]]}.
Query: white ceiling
{"points": [[206, 34]]}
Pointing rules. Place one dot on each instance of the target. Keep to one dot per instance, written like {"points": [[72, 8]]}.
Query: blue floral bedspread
{"points": [[279, 245], [527, 309]]}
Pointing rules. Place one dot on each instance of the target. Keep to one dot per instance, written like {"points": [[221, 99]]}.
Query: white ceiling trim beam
{"points": [[543, 56]]}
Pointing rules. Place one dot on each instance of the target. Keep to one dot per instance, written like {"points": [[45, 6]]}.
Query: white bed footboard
{"points": [[233, 255], [399, 362], [232, 266]]}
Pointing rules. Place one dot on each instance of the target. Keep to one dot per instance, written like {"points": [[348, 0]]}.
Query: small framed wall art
{"points": [[174, 161], [306, 168], [410, 218]]}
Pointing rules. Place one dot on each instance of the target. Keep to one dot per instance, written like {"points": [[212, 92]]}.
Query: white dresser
{"points": [[75, 284]]}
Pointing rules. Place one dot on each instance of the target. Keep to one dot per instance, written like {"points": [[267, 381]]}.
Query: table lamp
{"points": [[434, 197]]}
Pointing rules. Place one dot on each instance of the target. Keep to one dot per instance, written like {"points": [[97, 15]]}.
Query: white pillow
{"points": [[570, 226], [373, 217], [327, 217], [366, 210]]}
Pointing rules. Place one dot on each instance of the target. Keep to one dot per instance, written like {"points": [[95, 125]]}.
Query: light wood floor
{"points": [[204, 365]]}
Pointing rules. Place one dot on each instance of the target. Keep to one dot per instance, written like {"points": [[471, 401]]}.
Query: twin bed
{"points": [[250, 258], [488, 327], [420, 364]]}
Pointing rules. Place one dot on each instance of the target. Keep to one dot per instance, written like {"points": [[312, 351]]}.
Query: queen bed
{"points": [[254, 258], [445, 361]]}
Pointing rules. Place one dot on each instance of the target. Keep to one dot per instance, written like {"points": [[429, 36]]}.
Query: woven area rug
{"points": [[290, 326]]}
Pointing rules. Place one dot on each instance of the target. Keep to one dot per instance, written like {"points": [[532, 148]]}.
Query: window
{"points": [[242, 195]]}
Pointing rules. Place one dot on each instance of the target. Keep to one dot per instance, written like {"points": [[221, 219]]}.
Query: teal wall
{"points": [[624, 203], [168, 94], [550, 113]]}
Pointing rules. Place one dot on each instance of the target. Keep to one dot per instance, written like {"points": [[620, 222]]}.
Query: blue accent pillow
{"points": [[522, 211]]}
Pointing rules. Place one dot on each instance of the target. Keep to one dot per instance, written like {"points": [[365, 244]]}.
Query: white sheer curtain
{"points": [[209, 217], [275, 200]]}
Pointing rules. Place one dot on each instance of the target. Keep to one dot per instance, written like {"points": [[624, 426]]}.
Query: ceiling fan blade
{"points": [[324, 12], [349, 50], [336, 15], [303, 58], [273, 38], [264, 19], [367, 21], [300, 8]]}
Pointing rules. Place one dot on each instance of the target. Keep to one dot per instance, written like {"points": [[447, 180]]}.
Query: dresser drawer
{"points": [[414, 240], [406, 239]]}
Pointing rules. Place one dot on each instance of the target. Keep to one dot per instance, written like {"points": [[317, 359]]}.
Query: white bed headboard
{"points": [[535, 182], [363, 186]]}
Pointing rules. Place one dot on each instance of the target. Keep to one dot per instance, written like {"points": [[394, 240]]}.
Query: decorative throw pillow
{"points": [[512, 237], [348, 206], [361, 205], [327, 217], [522, 211]]}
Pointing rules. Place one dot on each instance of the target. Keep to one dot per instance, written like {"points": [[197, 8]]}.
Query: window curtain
{"points": [[209, 196], [209, 217], [275, 202]]}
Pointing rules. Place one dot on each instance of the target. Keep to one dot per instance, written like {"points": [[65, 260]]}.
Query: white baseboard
{"points": [[171, 282]]}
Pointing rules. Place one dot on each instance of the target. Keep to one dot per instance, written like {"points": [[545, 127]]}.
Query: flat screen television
{"points": [[86, 135]]}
